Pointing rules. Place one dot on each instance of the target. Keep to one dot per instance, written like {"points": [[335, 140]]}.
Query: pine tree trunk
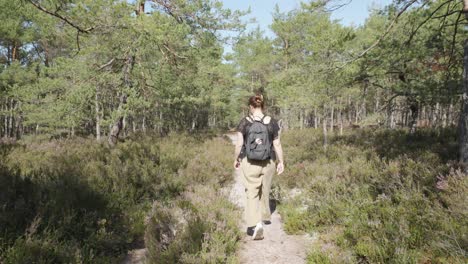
{"points": [[98, 115], [350, 117], [450, 114], [120, 122], [341, 123], [4, 122], [18, 121], [301, 119], [124, 126], [315, 118], [414, 107], [357, 114], [115, 131], [10, 121], [463, 124], [117, 127], [325, 139], [340, 117], [392, 120], [331, 119], [160, 122]]}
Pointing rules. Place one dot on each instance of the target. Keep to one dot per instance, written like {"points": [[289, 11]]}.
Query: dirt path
{"points": [[277, 246], [136, 256]]}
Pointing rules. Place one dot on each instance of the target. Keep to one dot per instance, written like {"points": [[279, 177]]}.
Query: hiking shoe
{"points": [[258, 232], [250, 230], [266, 222]]}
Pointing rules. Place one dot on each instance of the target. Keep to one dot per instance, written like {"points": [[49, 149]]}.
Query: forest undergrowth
{"points": [[376, 196], [77, 201], [370, 196]]}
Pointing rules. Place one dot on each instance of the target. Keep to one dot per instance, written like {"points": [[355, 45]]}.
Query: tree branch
{"points": [[377, 42], [57, 15], [413, 33]]}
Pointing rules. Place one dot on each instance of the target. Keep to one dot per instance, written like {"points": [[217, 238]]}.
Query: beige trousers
{"points": [[257, 176]]}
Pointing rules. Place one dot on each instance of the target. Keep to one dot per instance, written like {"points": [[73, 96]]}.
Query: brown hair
{"points": [[256, 101]]}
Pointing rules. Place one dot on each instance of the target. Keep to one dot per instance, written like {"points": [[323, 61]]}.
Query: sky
{"points": [[355, 13]]}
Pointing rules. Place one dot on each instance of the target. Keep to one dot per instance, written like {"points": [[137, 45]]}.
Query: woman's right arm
{"points": [[279, 155]]}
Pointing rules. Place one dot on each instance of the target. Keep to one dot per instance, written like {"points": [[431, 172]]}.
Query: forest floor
{"points": [[277, 246]]}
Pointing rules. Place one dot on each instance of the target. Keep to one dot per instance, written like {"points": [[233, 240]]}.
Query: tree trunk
{"points": [[414, 107], [14, 54], [5, 122], [392, 120], [340, 117], [331, 119], [18, 121], [124, 126], [389, 114], [315, 118], [98, 115], [301, 119], [463, 123], [118, 125], [350, 116], [341, 123], [161, 122], [450, 114], [357, 114], [10, 121], [115, 131], [325, 140]]}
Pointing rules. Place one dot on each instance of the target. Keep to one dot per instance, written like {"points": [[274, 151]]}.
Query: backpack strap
{"points": [[251, 119]]}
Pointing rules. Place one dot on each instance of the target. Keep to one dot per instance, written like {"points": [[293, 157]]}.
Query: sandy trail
{"points": [[277, 246]]}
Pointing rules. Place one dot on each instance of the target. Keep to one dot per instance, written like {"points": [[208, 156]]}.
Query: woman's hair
{"points": [[256, 101]]}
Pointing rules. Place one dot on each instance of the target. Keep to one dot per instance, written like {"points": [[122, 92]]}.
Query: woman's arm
{"points": [[238, 148], [279, 155]]}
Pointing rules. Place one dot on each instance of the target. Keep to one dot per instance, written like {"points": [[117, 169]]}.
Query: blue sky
{"points": [[355, 13]]}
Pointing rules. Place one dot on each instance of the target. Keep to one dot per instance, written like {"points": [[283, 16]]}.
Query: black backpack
{"points": [[258, 145]]}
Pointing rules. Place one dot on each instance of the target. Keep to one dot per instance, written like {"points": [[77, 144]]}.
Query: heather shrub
{"points": [[80, 201], [393, 197], [211, 164], [199, 227]]}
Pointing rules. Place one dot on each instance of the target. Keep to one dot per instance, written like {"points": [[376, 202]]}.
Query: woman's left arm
{"points": [[238, 147]]}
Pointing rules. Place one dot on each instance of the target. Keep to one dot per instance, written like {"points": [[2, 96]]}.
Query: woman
{"points": [[257, 169]]}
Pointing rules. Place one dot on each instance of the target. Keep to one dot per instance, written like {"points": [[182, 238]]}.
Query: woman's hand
{"points": [[280, 168], [236, 164]]}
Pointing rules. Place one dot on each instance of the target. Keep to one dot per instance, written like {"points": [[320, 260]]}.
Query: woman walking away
{"points": [[258, 147]]}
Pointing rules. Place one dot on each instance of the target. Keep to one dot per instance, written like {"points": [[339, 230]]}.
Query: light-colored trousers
{"points": [[257, 176]]}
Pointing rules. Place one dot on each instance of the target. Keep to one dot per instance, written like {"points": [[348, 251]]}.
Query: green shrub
{"points": [[91, 200], [200, 227], [396, 197], [317, 257]]}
